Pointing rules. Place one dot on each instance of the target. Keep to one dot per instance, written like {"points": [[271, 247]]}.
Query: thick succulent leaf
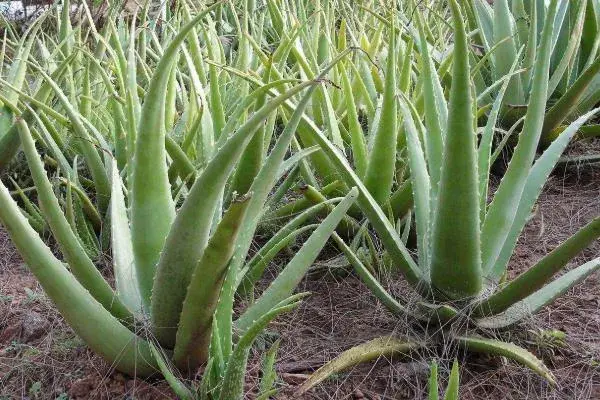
{"points": [[202, 294], [381, 167], [508, 350], [261, 187], [533, 187], [453, 383], [506, 54], [357, 137], [566, 56], [502, 210], [433, 392], [126, 280], [10, 142], [434, 117], [100, 330], [193, 222], [421, 186], [538, 300], [535, 277], [569, 101], [455, 241], [292, 274], [81, 266], [485, 20], [85, 144], [233, 381], [175, 384], [152, 208], [268, 372], [381, 347], [387, 233], [485, 144]]}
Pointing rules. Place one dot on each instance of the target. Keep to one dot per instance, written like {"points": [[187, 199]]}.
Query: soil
{"points": [[41, 357]]}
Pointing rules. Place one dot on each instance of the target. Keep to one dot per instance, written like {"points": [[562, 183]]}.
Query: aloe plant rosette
{"points": [[464, 242], [178, 259]]}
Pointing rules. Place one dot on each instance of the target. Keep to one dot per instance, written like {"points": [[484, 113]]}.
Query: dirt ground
{"points": [[41, 358]]}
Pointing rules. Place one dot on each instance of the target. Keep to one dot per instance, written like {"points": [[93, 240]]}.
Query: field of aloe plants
{"points": [[309, 199]]}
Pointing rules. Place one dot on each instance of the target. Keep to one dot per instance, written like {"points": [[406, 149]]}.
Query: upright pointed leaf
{"points": [[455, 254]]}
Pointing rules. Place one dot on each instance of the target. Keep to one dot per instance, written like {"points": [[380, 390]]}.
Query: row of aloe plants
{"points": [[163, 142]]}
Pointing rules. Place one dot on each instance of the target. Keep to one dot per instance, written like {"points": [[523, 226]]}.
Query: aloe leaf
{"points": [[485, 144], [258, 265], [506, 54], [433, 389], [81, 266], [484, 16], [453, 383], [175, 384], [126, 280], [421, 187], [535, 277], [538, 300], [233, 381], [568, 102], [455, 241], [381, 167], [86, 144], [502, 210], [152, 208], [10, 142], [292, 274], [434, 141], [100, 330], [268, 373], [194, 331], [381, 347], [508, 350], [533, 187], [261, 187], [193, 221], [566, 58], [359, 149], [387, 233]]}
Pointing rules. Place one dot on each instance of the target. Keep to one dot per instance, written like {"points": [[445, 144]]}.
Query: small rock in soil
{"points": [[35, 326], [10, 333], [81, 387]]}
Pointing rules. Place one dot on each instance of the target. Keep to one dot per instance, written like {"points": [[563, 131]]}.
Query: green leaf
{"points": [[453, 383], [81, 266], [535, 277], [126, 280], [533, 187], [100, 330], [292, 274], [379, 176], [502, 210], [152, 208], [538, 300], [202, 294], [455, 254], [233, 381], [433, 392], [175, 384], [194, 220]]}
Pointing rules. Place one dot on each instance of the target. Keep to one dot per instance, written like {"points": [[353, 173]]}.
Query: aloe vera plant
{"points": [[178, 256], [506, 27], [464, 242]]}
